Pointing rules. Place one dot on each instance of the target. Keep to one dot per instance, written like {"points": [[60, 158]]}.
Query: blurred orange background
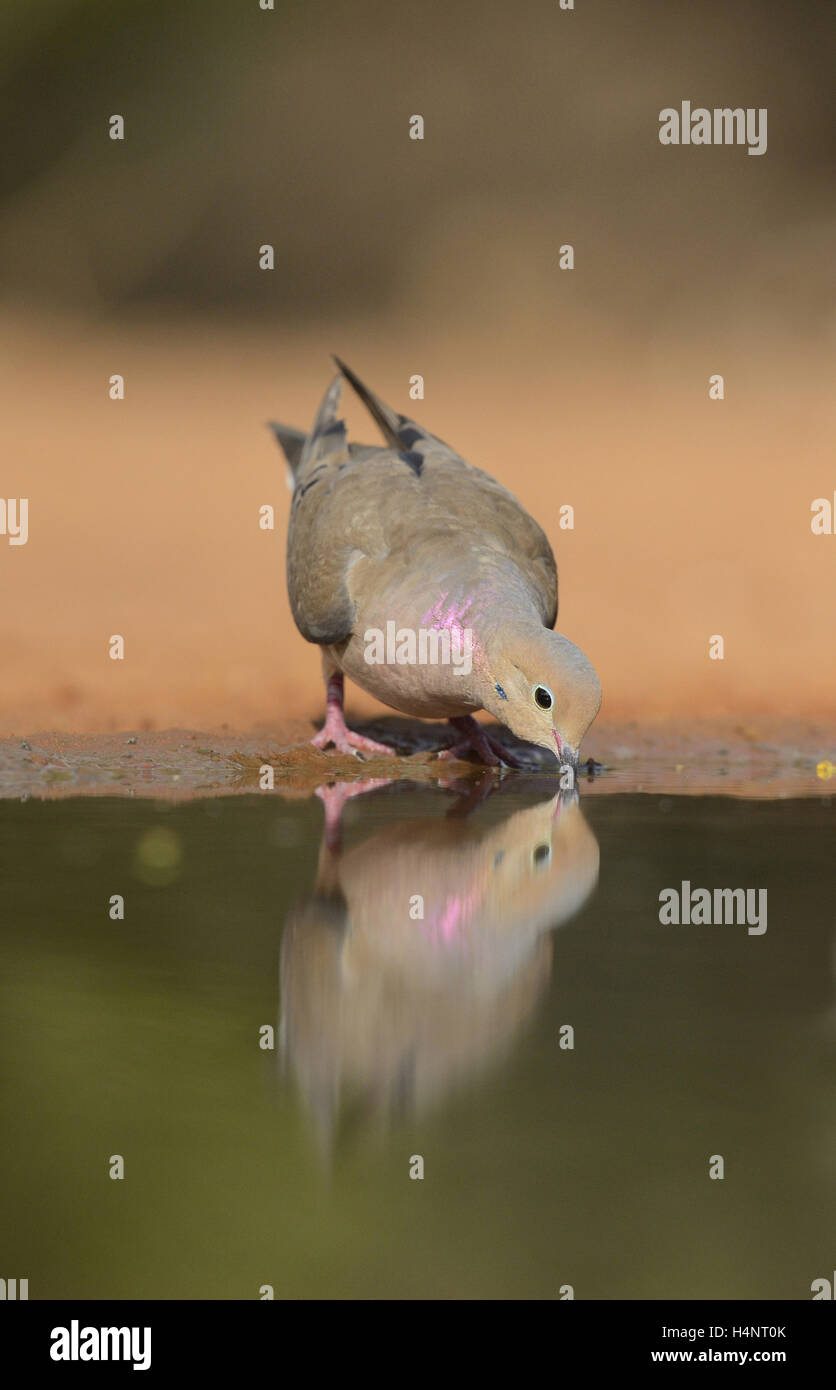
{"points": [[438, 258]]}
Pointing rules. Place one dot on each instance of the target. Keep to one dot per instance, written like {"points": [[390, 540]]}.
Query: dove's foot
{"points": [[489, 750], [335, 730], [346, 741]]}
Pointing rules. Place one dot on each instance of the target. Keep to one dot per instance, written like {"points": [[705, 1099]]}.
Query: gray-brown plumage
{"points": [[411, 534]]}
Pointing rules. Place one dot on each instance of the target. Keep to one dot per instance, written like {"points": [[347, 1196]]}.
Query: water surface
{"points": [[398, 1035]]}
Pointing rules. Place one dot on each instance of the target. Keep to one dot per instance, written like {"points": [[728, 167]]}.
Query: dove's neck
{"points": [[507, 633]]}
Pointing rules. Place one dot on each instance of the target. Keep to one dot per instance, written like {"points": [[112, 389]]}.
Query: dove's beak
{"points": [[565, 754]]}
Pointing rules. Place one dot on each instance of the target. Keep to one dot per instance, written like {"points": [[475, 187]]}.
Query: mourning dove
{"points": [[428, 584]]}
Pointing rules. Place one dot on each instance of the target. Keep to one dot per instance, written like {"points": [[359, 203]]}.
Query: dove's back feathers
{"points": [[410, 535]]}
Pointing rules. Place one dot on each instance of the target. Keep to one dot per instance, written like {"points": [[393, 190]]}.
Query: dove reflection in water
{"points": [[382, 1010]]}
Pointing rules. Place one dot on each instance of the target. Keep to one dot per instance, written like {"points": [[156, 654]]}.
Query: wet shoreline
{"points": [[759, 758]]}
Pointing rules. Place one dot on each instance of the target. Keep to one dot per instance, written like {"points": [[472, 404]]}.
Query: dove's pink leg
{"points": [[476, 740], [334, 729]]}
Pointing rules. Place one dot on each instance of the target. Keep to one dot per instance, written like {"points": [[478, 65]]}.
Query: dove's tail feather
{"points": [[387, 420], [401, 433], [291, 442], [326, 442]]}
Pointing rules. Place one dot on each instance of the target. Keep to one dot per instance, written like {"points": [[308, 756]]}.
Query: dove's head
{"points": [[544, 689]]}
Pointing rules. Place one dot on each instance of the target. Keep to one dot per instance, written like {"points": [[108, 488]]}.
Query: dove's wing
{"points": [[362, 516], [319, 552]]}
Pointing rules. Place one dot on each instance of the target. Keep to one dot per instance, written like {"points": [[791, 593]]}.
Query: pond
{"points": [[417, 1042]]}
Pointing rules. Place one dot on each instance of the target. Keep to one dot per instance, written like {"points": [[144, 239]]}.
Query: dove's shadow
{"points": [[420, 736]]}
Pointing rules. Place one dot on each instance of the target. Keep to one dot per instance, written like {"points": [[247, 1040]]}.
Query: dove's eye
{"points": [[543, 696], [541, 855]]}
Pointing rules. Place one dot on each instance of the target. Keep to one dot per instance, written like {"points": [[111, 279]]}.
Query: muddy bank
{"points": [[762, 758]]}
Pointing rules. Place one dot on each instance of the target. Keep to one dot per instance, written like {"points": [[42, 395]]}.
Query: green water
{"points": [[397, 1036]]}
